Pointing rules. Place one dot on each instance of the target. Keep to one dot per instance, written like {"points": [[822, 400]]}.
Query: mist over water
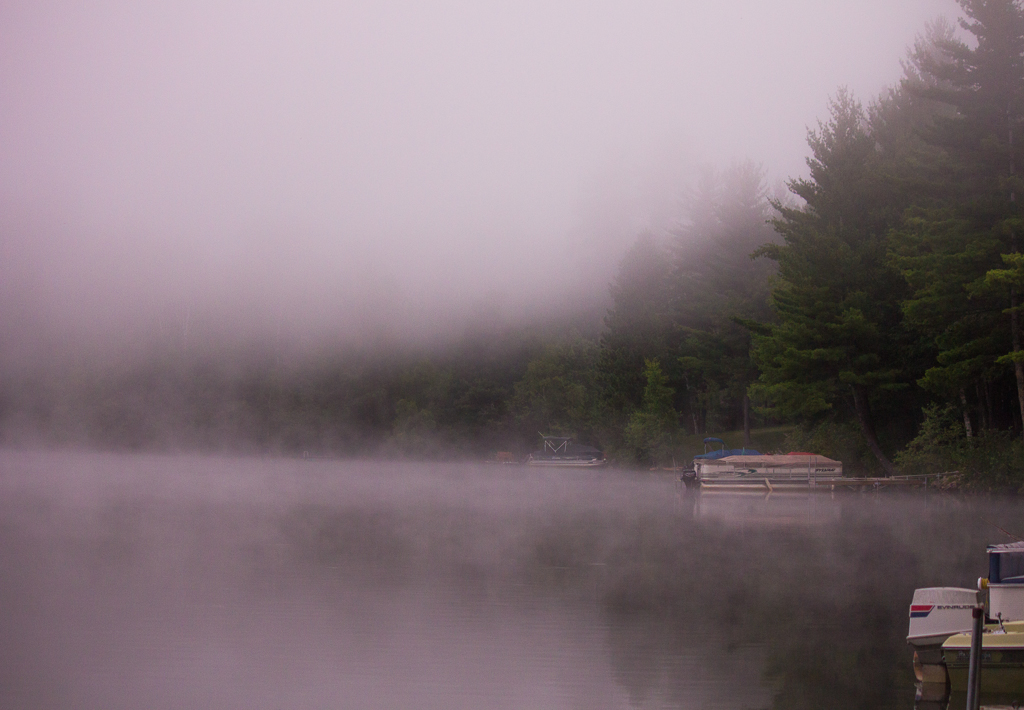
{"points": [[351, 229], [168, 582], [388, 229]]}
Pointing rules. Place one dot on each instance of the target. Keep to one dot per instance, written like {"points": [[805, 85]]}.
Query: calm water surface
{"points": [[204, 582]]}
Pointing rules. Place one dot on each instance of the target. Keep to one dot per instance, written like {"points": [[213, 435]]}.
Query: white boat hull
{"points": [[565, 463], [781, 468]]}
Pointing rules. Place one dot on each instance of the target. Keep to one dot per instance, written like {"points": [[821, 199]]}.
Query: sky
{"points": [[331, 170]]}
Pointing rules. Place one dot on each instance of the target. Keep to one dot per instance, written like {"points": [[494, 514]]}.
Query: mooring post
{"points": [[974, 664]]}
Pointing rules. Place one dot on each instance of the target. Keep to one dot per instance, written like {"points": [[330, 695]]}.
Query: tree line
{"points": [[872, 310], [891, 319]]}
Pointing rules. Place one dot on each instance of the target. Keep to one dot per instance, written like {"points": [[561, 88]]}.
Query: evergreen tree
{"points": [[638, 326], [955, 255], [837, 342], [715, 283], [558, 394], [650, 428]]}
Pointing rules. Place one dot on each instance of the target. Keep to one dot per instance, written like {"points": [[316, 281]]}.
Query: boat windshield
{"points": [[1006, 564]]}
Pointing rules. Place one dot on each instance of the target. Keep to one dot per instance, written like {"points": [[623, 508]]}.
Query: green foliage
{"points": [[993, 461], [839, 339], [941, 433], [648, 434], [842, 441], [638, 325], [558, 394], [414, 432], [719, 287], [945, 260], [953, 251]]}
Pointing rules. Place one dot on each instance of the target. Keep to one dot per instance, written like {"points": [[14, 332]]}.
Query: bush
{"points": [[991, 461], [840, 441], [648, 435]]}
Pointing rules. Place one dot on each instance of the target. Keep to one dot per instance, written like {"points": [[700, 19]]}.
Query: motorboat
{"points": [[941, 623], [1002, 658], [561, 452]]}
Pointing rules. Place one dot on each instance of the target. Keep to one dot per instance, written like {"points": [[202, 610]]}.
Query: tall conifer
{"points": [[837, 339], [955, 257]]}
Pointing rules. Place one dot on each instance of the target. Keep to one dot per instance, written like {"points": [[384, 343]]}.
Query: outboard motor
{"points": [[936, 613], [689, 478]]}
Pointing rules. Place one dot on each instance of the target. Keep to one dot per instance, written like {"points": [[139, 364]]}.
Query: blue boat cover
{"points": [[722, 453]]}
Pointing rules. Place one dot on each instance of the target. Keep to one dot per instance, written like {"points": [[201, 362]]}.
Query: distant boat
{"points": [[561, 452], [506, 458], [721, 467]]}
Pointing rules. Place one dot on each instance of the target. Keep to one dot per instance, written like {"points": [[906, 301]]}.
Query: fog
{"points": [[323, 171], [182, 581]]}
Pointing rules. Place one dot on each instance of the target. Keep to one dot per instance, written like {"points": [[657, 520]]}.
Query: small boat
{"points": [[561, 452], [504, 458], [941, 623]]}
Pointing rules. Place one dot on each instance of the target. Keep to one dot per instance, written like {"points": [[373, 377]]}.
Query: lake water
{"points": [[154, 582]]}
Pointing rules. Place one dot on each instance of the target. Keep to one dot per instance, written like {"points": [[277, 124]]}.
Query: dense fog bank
{"points": [[866, 310]]}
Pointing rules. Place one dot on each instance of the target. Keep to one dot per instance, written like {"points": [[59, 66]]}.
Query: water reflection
{"points": [[168, 582], [759, 510]]}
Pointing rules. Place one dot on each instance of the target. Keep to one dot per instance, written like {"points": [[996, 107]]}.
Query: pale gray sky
{"points": [[336, 164]]}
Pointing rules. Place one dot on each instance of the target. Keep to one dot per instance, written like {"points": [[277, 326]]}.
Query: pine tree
{"points": [[836, 345], [717, 283], [638, 326], [955, 256], [648, 433]]}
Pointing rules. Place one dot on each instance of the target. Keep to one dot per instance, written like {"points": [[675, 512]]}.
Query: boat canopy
{"points": [[562, 447], [722, 452], [556, 444], [1006, 563]]}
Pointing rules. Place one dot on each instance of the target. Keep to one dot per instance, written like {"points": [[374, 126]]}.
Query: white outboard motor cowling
{"points": [[936, 613]]}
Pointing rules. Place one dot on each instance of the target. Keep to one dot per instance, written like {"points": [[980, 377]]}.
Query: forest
{"points": [[870, 312]]}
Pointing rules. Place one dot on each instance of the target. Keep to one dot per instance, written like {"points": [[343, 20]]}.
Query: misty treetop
{"points": [[836, 301], [869, 311]]}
